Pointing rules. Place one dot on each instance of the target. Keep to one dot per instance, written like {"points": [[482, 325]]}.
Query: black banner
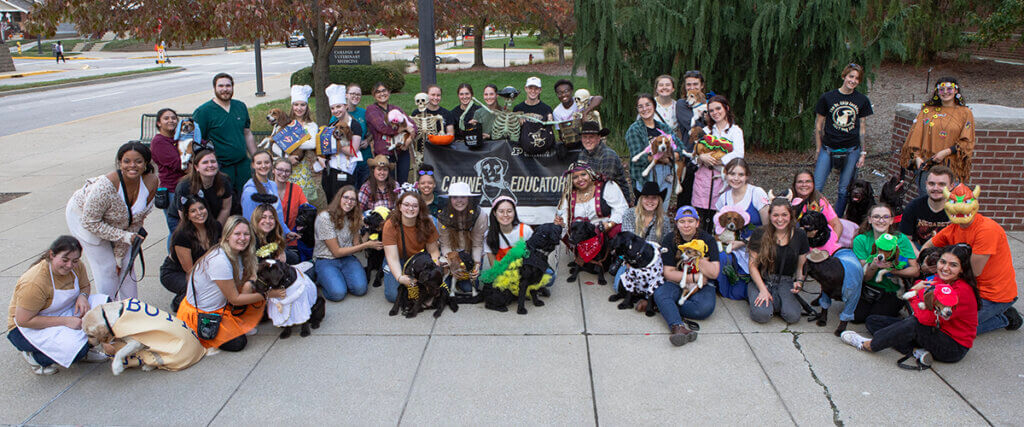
{"points": [[499, 169]]}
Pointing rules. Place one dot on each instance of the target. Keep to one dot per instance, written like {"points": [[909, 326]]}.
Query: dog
{"points": [[523, 272], [924, 294], [277, 120], [894, 192], [189, 140], [928, 259], [661, 148], [698, 102], [142, 335], [373, 228], [403, 125], [831, 272], [342, 135], [816, 226], [460, 267], [859, 201], [588, 240], [682, 162], [897, 260], [689, 262], [643, 275], [301, 297], [427, 291], [730, 223]]}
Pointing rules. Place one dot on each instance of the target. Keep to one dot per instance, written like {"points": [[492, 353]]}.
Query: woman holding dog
{"points": [[707, 181], [462, 228], [261, 188], [647, 219], [638, 138], [380, 189], [338, 271], [167, 159], [107, 214], [811, 199], [193, 237], [879, 233], [589, 197], [778, 251], [345, 166], [942, 134], [206, 182], [45, 316], [404, 235], [304, 157], [382, 130], [220, 291], [839, 133], [701, 304], [751, 203], [944, 328]]}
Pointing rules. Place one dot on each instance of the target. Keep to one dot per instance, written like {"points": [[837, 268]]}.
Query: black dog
{"points": [[373, 228], [641, 259], [860, 200], [816, 227], [273, 274], [579, 232], [544, 240], [829, 272], [428, 290], [894, 192], [304, 224]]}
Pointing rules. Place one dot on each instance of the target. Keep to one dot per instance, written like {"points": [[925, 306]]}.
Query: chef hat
{"points": [[301, 93], [336, 95]]}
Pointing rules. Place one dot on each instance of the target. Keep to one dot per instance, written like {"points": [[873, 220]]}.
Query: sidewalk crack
{"points": [[828, 393]]}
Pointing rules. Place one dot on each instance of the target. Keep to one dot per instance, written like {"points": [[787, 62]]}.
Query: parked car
{"points": [[297, 39]]}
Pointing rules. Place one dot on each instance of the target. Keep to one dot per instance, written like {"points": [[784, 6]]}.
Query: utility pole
{"points": [[428, 70], [259, 70]]}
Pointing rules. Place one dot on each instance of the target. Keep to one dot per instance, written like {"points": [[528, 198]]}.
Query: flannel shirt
{"points": [[606, 161], [637, 141]]}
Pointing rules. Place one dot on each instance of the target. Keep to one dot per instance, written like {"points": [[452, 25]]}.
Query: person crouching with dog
{"points": [[701, 304], [45, 320], [220, 303], [589, 197], [404, 235], [878, 234], [777, 252], [945, 320], [647, 219], [462, 229], [337, 242]]}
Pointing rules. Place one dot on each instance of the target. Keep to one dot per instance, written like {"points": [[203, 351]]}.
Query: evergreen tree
{"points": [[771, 59]]}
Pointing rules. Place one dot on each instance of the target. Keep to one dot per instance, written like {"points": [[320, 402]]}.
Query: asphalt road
{"points": [[23, 112]]}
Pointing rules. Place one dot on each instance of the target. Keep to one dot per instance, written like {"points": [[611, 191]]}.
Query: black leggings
{"points": [[905, 334], [172, 277], [237, 344], [888, 304]]}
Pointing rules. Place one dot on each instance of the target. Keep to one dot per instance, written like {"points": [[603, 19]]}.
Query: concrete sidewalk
{"points": [[577, 360]]}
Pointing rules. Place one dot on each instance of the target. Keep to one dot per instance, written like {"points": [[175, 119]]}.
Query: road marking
{"points": [[97, 96]]}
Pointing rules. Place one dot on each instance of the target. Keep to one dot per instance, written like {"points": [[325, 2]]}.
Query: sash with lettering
{"points": [[290, 137]]}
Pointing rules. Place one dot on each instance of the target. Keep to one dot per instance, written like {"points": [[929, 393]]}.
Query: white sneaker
{"points": [[31, 360], [251, 332], [44, 370], [95, 356], [923, 356], [853, 338]]}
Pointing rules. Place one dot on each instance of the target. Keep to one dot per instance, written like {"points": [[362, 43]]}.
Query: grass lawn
{"points": [[522, 42], [4, 88], [47, 48]]}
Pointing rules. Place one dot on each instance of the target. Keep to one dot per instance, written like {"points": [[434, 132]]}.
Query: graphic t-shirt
{"points": [[540, 110], [842, 114], [920, 222]]}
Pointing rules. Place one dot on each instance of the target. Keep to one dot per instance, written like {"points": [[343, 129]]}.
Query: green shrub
{"points": [[363, 75], [550, 50], [397, 65]]}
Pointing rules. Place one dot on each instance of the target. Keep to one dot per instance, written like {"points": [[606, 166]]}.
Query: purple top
{"points": [[377, 120], [168, 161]]}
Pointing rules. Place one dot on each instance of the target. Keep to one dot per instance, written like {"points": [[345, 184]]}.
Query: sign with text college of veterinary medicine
{"points": [[498, 169]]}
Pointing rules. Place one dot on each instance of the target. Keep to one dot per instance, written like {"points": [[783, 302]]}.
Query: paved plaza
{"points": [[576, 361]]}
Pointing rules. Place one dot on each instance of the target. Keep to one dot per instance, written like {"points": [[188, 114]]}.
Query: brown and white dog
{"points": [[277, 119], [729, 225], [142, 335], [698, 102], [689, 262], [186, 142]]}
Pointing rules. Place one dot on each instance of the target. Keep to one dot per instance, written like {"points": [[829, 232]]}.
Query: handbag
{"points": [[207, 324], [870, 294]]}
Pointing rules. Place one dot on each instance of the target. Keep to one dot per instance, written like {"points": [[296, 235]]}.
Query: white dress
{"points": [[296, 306]]}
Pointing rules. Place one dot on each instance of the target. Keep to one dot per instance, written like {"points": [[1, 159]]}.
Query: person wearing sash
{"points": [[406, 234], [462, 228], [44, 321], [220, 287], [342, 157], [107, 214], [301, 153]]}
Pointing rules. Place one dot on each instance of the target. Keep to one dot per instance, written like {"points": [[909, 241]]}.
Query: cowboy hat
{"points": [[459, 189], [593, 127], [650, 188], [380, 160]]}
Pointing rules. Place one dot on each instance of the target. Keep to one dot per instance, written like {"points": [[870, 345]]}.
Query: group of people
{"points": [[233, 204]]}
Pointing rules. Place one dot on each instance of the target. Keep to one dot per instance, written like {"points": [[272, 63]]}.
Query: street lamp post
{"points": [[428, 70], [259, 70]]}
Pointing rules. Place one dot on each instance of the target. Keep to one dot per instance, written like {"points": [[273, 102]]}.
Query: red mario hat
{"points": [[945, 295]]}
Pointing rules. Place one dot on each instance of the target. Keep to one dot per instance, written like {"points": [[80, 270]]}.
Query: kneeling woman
{"points": [[337, 242], [924, 336], [701, 304], [405, 235], [45, 322], [266, 229], [590, 197], [777, 251], [462, 228], [191, 239], [220, 290]]}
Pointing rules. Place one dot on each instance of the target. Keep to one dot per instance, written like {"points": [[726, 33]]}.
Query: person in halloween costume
{"points": [[991, 259], [942, 133]]}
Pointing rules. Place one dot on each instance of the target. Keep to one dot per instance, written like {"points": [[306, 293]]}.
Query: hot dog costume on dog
{"points": [[170, 343]]}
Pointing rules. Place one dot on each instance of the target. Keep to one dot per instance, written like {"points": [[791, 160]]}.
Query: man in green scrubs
{"points": [[225, 123]]}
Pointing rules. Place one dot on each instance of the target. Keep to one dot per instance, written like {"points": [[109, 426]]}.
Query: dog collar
{"points": [[590, 248]]}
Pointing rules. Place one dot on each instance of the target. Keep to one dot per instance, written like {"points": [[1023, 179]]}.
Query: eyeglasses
{"points": [[287, 171], [349, 198], [431, 173], [410, 205], [881, 217]]}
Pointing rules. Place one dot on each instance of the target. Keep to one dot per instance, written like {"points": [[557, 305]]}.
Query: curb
{"points": [[69, 58], [31, 73], [87, 82]]}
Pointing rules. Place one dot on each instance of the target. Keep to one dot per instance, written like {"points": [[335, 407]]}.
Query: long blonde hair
{"points": [[641, 221], [247, 256]]}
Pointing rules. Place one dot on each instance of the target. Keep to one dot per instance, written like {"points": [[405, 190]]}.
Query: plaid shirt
{"points": [[637, 141], [606, 161], [364, 198]]}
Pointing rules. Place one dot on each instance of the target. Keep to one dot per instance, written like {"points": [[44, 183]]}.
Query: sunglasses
{"points": [[430, 173]]}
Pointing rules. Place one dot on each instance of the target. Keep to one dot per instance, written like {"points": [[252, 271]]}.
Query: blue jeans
{"points": [[340, 276], [852, 278], [699, 306], [390, 283], [847, 171], [618, 277], [22, 344], [727, 288], [990, 315]]}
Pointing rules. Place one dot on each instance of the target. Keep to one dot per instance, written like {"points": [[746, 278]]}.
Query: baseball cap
{"points": [[533, 81], [687, 212], [945, 295]]}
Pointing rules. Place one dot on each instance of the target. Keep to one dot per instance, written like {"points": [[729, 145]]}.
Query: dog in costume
{"points": [[730, 223], [300, 306], [886, 249], [643, 275], [689, 262], [523, 272], [428, 289], [938, 298], [142, 335], [373, 226]]}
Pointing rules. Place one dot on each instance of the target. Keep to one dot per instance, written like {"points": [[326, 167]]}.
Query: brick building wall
{"points": [[998, 164], [1006, 49]]}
